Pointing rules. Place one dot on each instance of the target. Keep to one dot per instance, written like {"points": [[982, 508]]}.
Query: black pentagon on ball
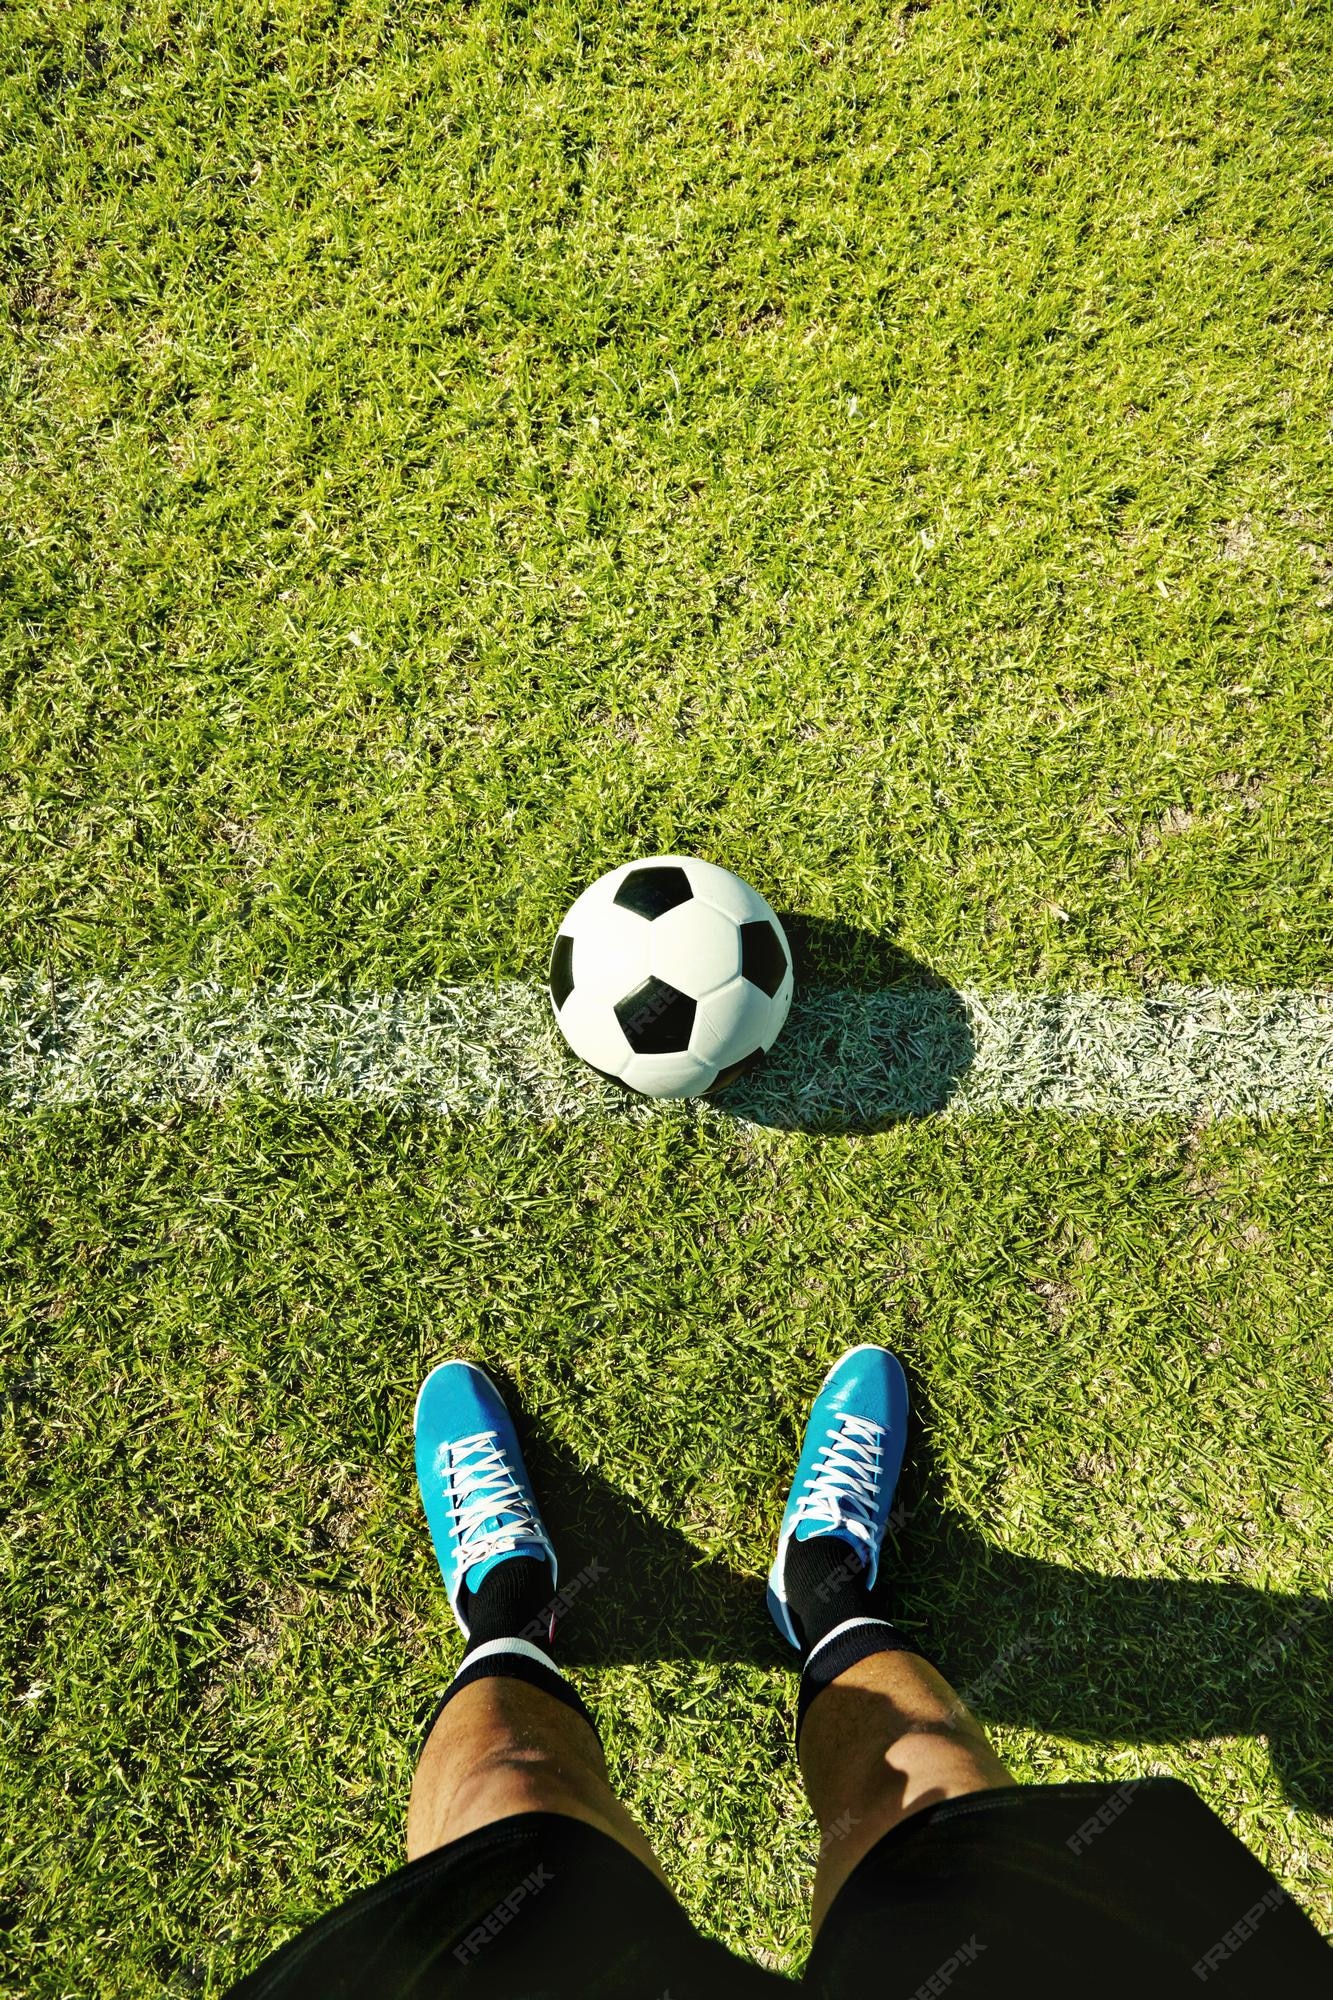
{"points": [[651, 892], [562, 970], [763, 961], [655, 1019]]}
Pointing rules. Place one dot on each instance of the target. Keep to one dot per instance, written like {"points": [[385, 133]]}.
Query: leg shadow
{"points": [[637, 1589], [1024, 1641]]}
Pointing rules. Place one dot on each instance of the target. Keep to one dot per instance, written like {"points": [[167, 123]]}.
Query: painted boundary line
{"points": [[847, 1058]]}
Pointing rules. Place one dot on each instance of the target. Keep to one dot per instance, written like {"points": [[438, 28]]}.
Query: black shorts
{"points": [[1072, 1890]]}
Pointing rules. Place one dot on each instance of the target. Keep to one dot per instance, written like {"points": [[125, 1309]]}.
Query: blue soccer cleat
{"points": [[848, 1470], [479, 1501]]}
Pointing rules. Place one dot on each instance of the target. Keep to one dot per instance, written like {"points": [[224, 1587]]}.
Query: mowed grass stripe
{"points": [[849, 1059]]}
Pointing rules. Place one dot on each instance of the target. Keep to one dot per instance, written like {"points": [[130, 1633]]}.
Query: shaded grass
{"points": [[449, 451], [221, 1612]]}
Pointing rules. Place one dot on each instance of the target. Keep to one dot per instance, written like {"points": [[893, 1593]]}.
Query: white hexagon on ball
{"points": [[668, 1076], [672, 975], [695, 947], [735, 1016], [611, 952]]}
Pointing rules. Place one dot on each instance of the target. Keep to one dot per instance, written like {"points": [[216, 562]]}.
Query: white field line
{"points": [[846, 1059]]}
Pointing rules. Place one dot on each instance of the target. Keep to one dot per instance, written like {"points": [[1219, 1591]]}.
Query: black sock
{"points": [[826, 1585], [838, 1618], [515, 1601], [512, 1613], [514, 1659]]}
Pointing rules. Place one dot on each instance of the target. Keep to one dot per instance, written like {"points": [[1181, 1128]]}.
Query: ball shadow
{"points": [[874, 1037]]}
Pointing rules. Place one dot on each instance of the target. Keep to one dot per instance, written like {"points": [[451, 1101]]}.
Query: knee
{"points": [[528, 1778]]}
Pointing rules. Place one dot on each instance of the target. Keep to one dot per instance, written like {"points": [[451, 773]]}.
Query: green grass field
{"points": [[448, 451]]}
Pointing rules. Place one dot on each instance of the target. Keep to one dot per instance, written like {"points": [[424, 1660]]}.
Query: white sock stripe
{"points": [[456, 1052], [847, 1625], [524, 1647]]}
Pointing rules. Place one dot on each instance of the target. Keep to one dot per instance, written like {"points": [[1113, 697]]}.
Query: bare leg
{"points": [[502, 1746], [886, 1738]]}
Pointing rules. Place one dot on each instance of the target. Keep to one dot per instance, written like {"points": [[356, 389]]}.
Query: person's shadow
{"points": [[873, 1037], [1022, 1640]]}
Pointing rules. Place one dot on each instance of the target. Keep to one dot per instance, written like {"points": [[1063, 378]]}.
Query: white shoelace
{"points": [[841, 1491], [482, 1490]]}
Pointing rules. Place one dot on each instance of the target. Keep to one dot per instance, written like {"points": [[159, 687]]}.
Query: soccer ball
{"points": [[671, 975]]}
